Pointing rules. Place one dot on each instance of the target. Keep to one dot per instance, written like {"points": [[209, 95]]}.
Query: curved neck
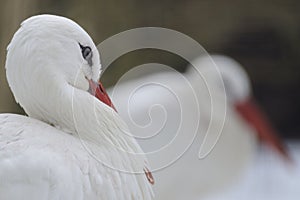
{"points": [[97, 125]]}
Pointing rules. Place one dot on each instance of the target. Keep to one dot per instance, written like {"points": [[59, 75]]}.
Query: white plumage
{"points": [[267, 178], [72, 146], [163, 109]]}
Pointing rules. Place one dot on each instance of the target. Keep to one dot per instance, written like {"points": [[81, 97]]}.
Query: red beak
{"points": [[97, 90], [253, 115]]}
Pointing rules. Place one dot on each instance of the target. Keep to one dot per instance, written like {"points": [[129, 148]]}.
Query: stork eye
{"points": [[87, 54]]}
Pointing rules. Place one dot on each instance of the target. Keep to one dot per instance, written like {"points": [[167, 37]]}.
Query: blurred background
{"points": [[263, 36]]}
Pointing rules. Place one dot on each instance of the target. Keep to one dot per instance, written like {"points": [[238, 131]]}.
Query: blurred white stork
{"points": [[163, 110]]}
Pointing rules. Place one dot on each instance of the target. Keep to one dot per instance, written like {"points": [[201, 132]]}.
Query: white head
{"points": [[47, 55], [238, 93], [53, 69], [234, 78]]}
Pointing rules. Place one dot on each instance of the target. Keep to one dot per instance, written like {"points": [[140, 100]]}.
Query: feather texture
{"points": [[88, 152]]}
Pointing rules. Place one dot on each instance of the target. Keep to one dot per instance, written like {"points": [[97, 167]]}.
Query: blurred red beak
{"points": [[255, 117], [97, 90]]}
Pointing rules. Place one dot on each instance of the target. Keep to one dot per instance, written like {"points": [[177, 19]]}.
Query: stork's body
{"points": [[38, 161], [189, 164], [72, 145]]}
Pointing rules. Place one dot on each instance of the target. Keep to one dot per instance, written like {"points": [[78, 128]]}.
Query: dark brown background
{"points": [[263, 36]]}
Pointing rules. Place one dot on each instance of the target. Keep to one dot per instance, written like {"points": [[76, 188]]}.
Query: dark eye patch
{"points": [[87, 54]]}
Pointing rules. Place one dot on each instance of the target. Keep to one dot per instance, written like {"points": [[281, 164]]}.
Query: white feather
{"points": [[189, 177], [86, 155]]}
